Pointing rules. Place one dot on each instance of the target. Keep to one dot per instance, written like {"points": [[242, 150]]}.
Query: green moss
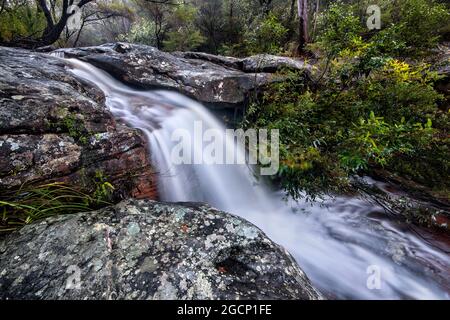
{"points": [[76, 129]]}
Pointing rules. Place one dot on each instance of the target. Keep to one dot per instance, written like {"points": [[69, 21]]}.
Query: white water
{"points": [[334, 242]]}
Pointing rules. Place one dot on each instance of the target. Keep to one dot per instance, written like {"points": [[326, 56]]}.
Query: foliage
{"points": [[366, 107], [339, 28], [184, 36], [419, 23], [142, 31], [20, 20], [103, 189], [409, 27], [76, 129], [266, 37]]}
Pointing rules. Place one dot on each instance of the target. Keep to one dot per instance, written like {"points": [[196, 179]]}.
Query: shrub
{"points": [[142, 31], [267, 37], [364, 109], [184, 36], [20, 20]]}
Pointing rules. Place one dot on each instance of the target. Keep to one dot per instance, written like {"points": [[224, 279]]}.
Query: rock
{"points": [[230, 62], [405, 200], [148, 250], [55, 127], [210, 79], [49, 48], [271, 63], [440, 62]]}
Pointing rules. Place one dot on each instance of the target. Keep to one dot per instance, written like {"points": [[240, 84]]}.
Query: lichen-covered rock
{"points": [[148, 250], [211, 79], [56, 127], [271, 63]]}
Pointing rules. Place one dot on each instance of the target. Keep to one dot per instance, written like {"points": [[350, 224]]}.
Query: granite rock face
{"points": [[223, 81], [55, 127], [142, 249]]}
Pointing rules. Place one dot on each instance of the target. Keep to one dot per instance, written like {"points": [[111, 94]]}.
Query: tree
{"points": [[184, 35], [107, 15], [158, 11], [210, 21], [303, 24], [54, 23]]}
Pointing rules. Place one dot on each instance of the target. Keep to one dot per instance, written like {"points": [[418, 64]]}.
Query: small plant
{"points": [[31, 203], [103, 189]]}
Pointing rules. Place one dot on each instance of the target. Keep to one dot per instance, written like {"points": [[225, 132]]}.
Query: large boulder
{"points": [[55, 127], [148, 250], [218, 80]]}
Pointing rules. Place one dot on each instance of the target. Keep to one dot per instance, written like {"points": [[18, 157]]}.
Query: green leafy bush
{"points": [[142, 31], [20, 20], [184, 36], [365, 108], [267, 37], [420, 23]]}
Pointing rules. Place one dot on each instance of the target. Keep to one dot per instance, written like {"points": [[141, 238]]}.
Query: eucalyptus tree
{"points": [[54, 15]]}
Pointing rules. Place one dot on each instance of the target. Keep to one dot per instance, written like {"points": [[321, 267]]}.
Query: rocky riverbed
{"points": [[56, 127]]}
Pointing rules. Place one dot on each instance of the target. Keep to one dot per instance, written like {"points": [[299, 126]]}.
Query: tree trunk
{"points": [[303, 25], [316, 17]]}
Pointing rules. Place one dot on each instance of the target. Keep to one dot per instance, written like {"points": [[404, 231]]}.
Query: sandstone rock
{"points": [[148, 250], [210, 79], [271, 63], [55, 127]]}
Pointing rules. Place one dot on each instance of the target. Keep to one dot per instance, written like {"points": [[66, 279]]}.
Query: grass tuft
{"points": [[31, 203]]}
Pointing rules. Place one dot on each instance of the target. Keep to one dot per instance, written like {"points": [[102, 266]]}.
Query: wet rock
{"points": [[230, 62], [56, 127], [210, 79], [405, 200], [148, 250]]}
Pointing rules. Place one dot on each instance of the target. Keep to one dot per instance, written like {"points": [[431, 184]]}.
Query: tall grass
{"points": [[30, 203]]}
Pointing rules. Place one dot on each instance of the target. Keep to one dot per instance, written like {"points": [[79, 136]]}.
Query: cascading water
{"points": [[341, 243]]}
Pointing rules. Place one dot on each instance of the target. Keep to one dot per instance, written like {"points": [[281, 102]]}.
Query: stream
{"points": [[348, 247]]}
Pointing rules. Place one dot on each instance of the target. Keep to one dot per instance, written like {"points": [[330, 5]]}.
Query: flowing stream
{"points": [[345, 245]]}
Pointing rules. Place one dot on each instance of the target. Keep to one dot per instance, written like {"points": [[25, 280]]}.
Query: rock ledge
{"points": [[141, 249]]}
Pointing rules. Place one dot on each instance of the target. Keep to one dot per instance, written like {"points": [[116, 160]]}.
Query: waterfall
{"points": [[342, 243]]}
